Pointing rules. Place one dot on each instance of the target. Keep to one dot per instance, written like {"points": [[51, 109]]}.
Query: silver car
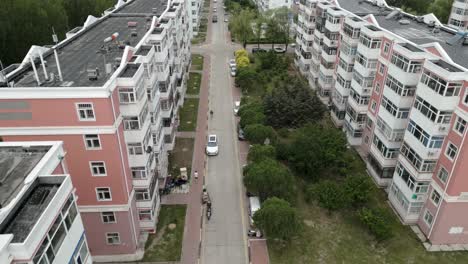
{"points": [[212, 145]]}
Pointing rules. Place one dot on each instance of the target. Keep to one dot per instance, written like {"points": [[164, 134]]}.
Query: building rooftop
{"points": [[15, 165], [86, 53], [21, 222], [416, 32]]}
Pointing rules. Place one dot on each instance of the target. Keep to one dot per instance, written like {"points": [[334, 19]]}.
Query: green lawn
{"points": [[181, 155], [194, 81], [197, 62], [339, 237], [166, 244], [188, 115]]}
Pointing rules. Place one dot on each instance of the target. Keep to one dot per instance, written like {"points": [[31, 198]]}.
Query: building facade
{"points": [[39, 219], [111, 92], [459, 15], [396, 84]]}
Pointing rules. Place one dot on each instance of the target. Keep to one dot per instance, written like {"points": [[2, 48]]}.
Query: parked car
{"points": [[214, 9], [254, 206], [240, 132], [233, 71], [279, 50], [226, 19], [232, 63], [236, 107], [212, 145], [214, 19], [257, 49]]}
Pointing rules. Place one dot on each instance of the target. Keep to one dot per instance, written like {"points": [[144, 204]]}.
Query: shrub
{"points": [[260, 152], [375, 220], [258, 133], [357, 189], [328, 194]]}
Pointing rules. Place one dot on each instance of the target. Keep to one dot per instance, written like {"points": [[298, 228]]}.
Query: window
{"points": [[442, 175], [387, 153], [377, 87], [405, 64], [440, 117], [428, 217], [451, 151], [386, 48], [113, 238], [85, 111], [131, 123], [135, 148], [465, 100], [460, 125], [82, 253], [382, 68], [108, 217], [401, 113], [373, 105], [127, 95], [103, 194], [98, 168], [92, 142], [370, 42], [139, 172], [142, 194], [424, 137], [416, 160], [145, 215], [439, 85], [435, 197], [396, 86]]}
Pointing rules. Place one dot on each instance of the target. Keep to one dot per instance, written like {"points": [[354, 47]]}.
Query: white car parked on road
{"points": [[212, 145], [232, 63]]}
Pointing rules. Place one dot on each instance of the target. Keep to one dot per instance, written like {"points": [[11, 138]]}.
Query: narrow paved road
{"points": [[223, 237]]}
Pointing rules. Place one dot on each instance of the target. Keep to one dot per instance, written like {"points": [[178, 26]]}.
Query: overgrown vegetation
{"points": [[440, 8], [30, 22]]}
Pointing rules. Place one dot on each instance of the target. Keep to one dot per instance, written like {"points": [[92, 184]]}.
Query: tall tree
{"points": [[241, 26], [441, 9], [278, 219], [258, 28]]}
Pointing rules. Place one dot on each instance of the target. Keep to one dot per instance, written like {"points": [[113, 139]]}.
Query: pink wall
{"points": [[78, 165], [433, 51], [59, 112], [96, 234]]}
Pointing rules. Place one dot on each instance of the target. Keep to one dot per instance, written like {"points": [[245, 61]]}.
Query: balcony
{"points": [[398, 100]]}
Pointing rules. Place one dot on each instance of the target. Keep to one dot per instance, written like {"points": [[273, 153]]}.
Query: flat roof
{"points": [[418, 33], [87, 50], [22, 221], [15, 165]]}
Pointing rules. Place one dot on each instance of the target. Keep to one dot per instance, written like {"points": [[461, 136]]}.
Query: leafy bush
{"points": [[328, 194], [251, 113], [258, 133], [357, 189], [258, 153], [375, 220]]}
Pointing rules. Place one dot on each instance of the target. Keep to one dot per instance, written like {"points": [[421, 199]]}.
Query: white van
{"points": [[254, 206]]}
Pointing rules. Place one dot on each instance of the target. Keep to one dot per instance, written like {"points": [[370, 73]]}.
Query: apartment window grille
{"points": [[424, 137], [442, 175], [405, 64], [381, 68], [131, 123], [351, 32], [113, 238], [142, 194], [460, 125], [139, 172], [81, 254], [451, 151], [370, 42], [396, 86], [400, 113], [103, 194], [377, 87], [108, 217], [416, 160], [92, 142], [387, 153], [435, 197], [440, 85], [361, 100], [85, 111], [440, 117], [145, 215], [126, 95], [344, 83], [135, 148], [428, 217], [98, 168]]}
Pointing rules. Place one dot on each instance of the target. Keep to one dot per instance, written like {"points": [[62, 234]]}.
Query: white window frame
{"points": [[103, 200], [386, 48], [113, 233], [93, 164], [92, 140], [460, 124], [441, 169], [104, 217], [448, 148], [435, 197], [143, 211], [427, 212], [77, 106]]}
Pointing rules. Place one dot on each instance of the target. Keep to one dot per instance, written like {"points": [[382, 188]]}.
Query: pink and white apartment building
{"points": [[397, 84], [459, 15], [39, 219], [111, 92]]}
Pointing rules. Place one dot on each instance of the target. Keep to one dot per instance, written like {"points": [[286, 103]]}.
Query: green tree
{"points": [[251, 113], [278, 219], [241, 26], [377, 223], [441, 9], [281, 18], [259, 152], [357, 189], [258, 28], [246, 78], [328, 194], [258, 133], [315, 149], [273, 30], [268, 178], [292, 104]]}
